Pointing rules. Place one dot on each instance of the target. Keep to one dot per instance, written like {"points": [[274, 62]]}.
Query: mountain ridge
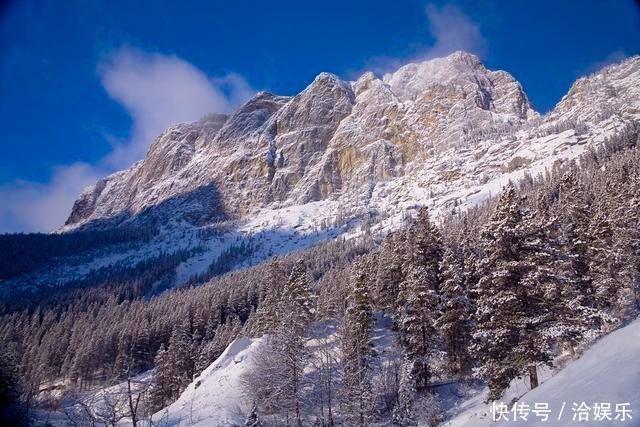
{"points": [[339, 159], [279, 139]]}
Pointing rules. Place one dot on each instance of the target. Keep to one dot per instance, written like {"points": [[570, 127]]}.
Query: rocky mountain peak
{"points": [[342, 141]]}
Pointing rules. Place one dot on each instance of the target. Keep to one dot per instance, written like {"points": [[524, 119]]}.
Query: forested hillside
{"points": [[491, 293]]}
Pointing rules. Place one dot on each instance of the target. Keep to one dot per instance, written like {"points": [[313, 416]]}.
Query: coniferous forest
{"points": [[484, 295]]}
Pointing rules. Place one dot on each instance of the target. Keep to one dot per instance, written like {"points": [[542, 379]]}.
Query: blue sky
{"points": [[85, 85]]}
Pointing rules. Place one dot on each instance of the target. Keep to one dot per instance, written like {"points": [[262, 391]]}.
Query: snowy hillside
{"points": [[215, 398], [608, 372]]}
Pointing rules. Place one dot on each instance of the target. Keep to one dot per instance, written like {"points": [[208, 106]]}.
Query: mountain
{"points": [[331, 141], [339, 158]]}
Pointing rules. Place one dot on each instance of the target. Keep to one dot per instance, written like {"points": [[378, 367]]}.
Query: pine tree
{"points": [[404, 412], [576, 211], [516, 313], [295, 311], [454, 320], [554, 272], [357, 352], [389, 273], [424, 248], [627, 245], [164, 387], [181, 352], [296, 304], [419, 296], [267, 315]]}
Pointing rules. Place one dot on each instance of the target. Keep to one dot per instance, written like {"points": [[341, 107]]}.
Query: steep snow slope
{"points": [[216, 398], [608, 372]]}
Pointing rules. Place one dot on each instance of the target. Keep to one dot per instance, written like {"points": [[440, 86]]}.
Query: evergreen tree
{"points": [[454, 321], [627, 242], [404, 412], [357, 352], [389, 273], [267, 315], [419, 296], [182, 354], [576, 211], [296, 303], [515, 313], [295, 310], [164, 386]]}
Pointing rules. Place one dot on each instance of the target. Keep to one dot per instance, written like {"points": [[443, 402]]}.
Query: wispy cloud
{"points": [[33, 206], [612, 58], [157, 91], [451, 29]]}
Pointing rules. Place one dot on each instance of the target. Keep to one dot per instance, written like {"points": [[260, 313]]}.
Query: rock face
{"points": [[343, 141]]}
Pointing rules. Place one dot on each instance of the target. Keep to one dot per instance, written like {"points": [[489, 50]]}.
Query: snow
{"points": [[608, 372], [215, 397]]}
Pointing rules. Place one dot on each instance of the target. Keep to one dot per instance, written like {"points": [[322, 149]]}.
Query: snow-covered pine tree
{"points": [[163, 386], [266, 316], [389, 273], [417, 323], [572, 319], [627, 242], [454, 313], [357, 351], [424, 248], [604, 260], [574, 232], [404, 412], [296, 303], [295, 312], [419, 296], [516, 312], [181, 352]]}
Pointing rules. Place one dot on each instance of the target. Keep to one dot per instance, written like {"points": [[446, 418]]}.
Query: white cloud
{"points": [[32, 206], [612, 58], [157, 91], [451, 30]]}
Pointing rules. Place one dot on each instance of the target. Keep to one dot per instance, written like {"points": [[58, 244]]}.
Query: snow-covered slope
{"points": [[608, 372], [214, 398]]}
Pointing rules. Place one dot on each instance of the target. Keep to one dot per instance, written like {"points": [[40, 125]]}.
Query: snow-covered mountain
{"points": [[331, 141], [447, 120], [443, 133]]}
